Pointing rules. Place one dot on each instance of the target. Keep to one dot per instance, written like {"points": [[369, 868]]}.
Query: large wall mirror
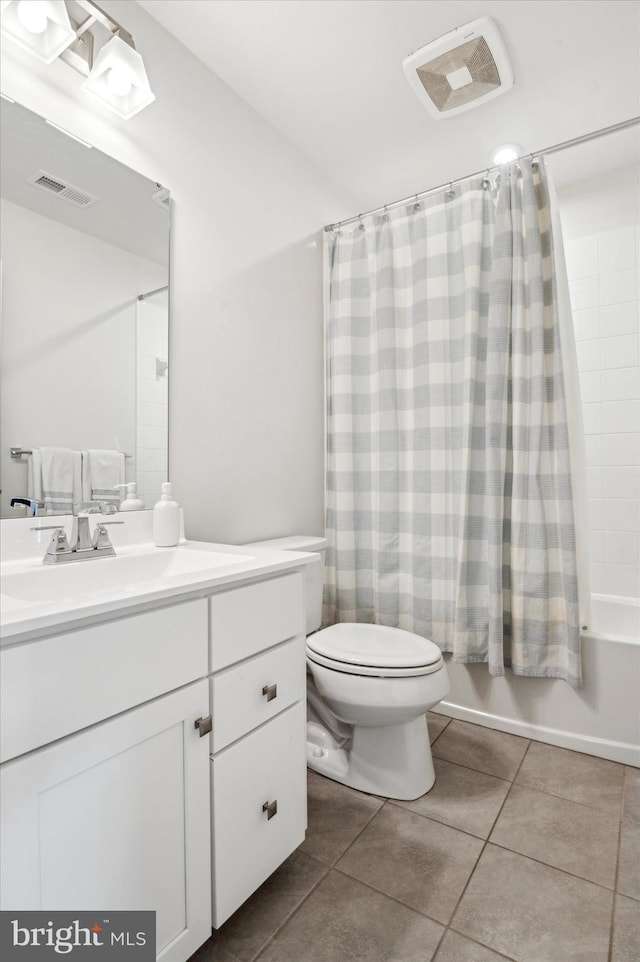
{"points": [[84, 337]]}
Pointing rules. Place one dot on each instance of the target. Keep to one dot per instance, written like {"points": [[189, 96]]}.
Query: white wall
{"points": [[246, 386], [68, 341], [602, 242]]}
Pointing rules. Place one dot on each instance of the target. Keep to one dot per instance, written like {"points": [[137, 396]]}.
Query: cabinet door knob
{"points": [[271, 808], [271, 691], [204, 725]]}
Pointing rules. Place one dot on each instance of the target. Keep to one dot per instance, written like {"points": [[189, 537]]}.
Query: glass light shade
{"points": [[119, 80], [47, 44]]}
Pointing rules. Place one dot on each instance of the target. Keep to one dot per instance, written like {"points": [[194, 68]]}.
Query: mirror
{"points": [[84, 305]]}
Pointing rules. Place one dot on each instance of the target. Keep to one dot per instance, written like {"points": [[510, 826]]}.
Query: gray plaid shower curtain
{"points": [[449, 491]]}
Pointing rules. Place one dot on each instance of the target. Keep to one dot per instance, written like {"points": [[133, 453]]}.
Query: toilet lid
{"points": [[373, 647]]}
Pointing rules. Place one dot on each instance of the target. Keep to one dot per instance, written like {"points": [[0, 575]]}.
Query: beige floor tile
{"points": [[436, 724], [336, 814], [534, 913], [629, 861], [568, 836], [462, 798], [414, 859], [580, 778], [626, 930], [343, 920], [212, 951], [457, 948], [255, 922], [485, 750], [631, 793]]}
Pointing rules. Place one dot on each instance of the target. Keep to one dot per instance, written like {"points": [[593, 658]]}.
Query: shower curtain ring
{"points": [[416, 205], [385, 214], [451, 192], [360, 224], [486, 182]]}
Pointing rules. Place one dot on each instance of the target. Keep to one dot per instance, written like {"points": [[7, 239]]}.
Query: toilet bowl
{"points": [[368, 690]]}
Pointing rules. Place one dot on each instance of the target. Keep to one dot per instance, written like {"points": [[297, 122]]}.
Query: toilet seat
{"points": [[374, 650]]}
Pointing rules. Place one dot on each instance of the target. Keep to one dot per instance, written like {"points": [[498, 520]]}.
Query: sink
{"points": [[132, 572]]}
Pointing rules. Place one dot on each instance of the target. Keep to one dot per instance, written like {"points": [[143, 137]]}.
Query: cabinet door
{"points": [[116, 817], [252, 836]]}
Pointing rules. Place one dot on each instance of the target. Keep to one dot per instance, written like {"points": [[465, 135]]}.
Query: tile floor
{"points": [[521, 852]]}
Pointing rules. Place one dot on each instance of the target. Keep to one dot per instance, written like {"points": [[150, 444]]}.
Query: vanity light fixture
{"points": [[87, 39], [118, 78], [42, 27]]}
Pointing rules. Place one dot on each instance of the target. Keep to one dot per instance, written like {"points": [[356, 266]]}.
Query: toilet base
{"points": [[392, 761]]}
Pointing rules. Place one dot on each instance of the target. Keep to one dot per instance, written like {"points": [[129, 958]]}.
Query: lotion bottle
{"points": [[131, 501], [166, 519]]}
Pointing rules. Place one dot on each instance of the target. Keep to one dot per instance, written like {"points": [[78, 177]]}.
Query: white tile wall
{"points": [[604, 285]]}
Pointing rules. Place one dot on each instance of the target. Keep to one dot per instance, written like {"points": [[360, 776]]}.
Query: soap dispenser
{"points": [[166, 519], [131, 502]]}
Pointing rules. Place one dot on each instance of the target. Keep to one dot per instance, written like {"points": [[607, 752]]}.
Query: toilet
{"points": [[368, 690]]}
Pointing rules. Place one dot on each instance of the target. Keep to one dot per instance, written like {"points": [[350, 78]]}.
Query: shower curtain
{"points": [[449, 490]]}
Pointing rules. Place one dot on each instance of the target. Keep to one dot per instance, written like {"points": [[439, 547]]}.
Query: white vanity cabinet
{"points": [[111, 794], [258, 742], [116, 815]]}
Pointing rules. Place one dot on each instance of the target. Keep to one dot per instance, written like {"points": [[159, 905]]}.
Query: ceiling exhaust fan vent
{"points": [[463, 69], [53, 185]]}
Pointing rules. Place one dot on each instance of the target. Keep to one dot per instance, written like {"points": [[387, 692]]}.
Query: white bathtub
{"points": [[601, 718]]}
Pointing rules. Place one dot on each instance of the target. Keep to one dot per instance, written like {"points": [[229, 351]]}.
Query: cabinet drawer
{"points": [[245, 621], [61, 684], [239, 700], [265, 767]]}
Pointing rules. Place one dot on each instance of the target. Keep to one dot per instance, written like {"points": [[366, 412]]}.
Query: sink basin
{"points": [[133, 572]]}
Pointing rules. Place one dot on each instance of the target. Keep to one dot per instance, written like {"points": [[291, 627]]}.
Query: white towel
{"points": [[101, 470], [55, 478], [34, 475]]}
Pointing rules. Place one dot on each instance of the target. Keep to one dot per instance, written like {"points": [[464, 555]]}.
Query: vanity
{"points": [[152, 727]]}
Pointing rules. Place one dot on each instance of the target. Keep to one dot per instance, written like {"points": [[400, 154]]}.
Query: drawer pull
{"points": [[204, 725], [271, 808], [271, 691]]}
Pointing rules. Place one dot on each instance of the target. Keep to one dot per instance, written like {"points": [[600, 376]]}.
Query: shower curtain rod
{"points": [[142, 297], [614, 128]]}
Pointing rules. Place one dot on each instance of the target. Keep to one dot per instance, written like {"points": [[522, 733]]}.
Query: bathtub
{"points": [[601, 718]]}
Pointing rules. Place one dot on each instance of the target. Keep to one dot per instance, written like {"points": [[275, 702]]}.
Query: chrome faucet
{"points": [[81, 547], [29, 503]]}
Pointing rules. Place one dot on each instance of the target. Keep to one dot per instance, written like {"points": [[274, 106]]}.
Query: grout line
{"points": [[296, 909], [486, 841], [563, 871], [500, 955], [617, 871]]}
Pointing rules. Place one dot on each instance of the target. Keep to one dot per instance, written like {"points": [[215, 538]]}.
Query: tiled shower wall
{"points": [[603, 280]]}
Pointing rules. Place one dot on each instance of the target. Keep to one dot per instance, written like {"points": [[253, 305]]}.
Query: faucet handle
{"points": [[95, 507], [101, 540], [57, 546]]}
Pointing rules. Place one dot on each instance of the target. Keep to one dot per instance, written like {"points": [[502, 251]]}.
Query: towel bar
{"points": [[17, 453]]}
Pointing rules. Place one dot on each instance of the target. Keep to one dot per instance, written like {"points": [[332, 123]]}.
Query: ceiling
{"points": [[327, 74]]}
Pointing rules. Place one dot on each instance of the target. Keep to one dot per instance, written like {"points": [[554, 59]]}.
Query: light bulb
{"points": [[118, 82], [505, 154], [32, 14]]}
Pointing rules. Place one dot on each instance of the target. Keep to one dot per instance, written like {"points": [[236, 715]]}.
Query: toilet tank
{"points": [[313, 571]]}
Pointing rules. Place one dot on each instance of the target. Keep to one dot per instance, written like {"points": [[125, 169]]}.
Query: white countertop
{"points": [[40, 599]]}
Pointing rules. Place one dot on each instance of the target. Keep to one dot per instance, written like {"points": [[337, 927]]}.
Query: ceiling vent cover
{"points": [[463, 69], [53, 185]]}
